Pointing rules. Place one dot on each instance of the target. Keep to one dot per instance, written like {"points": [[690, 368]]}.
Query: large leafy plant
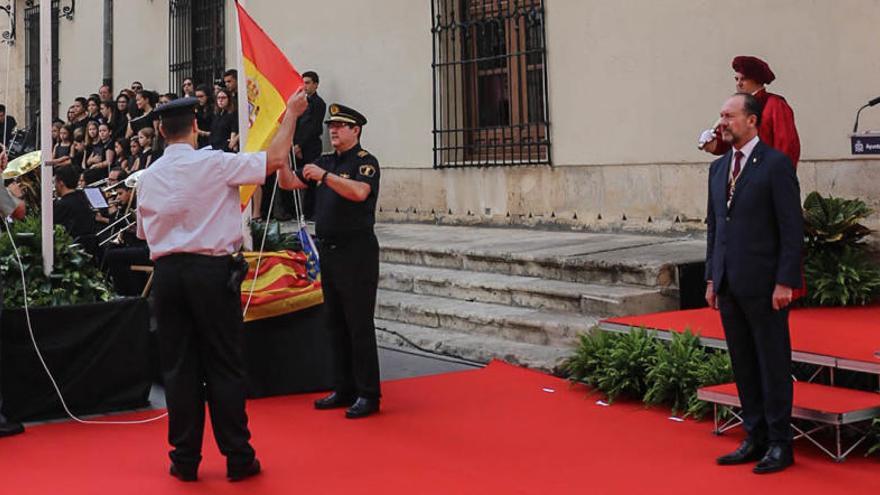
{"points": [[839, 268], [639, 365], [74, 280]]}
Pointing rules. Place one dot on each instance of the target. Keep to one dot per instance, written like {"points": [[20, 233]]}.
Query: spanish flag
{"points": [[283, 285], [271, 80]]}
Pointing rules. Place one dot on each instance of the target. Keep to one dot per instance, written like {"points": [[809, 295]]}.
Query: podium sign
{"points": [[867, 143]]}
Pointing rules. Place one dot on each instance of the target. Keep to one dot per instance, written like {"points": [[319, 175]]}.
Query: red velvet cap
{"points": [[753, 68]]}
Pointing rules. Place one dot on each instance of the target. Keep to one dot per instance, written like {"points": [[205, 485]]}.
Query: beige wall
{"points": [[80, 53], [140, 43], [631, 84], [373, 56], [634, 82]]}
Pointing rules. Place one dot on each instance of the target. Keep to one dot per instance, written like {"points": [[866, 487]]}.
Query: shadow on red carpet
{"points": [[499, 430]]}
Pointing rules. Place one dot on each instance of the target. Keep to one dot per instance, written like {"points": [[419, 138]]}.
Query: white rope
{"points": [[247, 305]]}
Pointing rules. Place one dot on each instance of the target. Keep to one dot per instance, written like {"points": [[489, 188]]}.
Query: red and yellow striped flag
{"points": [[271, 80], [282, 285]]}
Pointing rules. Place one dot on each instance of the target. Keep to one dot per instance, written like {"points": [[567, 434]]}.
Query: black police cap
{"points": [[178, 107], [346, 115]]}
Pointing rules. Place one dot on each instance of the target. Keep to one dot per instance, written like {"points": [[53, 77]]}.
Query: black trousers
{"points": [[760, 348], [350, 278], [200, 348], [118, 262]]}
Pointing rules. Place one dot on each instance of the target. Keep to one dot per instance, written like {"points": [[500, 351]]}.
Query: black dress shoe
{"points": [[9, 428], [243, 472], [748, 451], [334, 401], [777, 458], [184, 473], [362, 408]]}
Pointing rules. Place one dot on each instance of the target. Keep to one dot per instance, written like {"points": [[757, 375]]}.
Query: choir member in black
{"points": [[122, 158], [145, 101], [102, 155], [135, 150], [204, 114], [187, 88], [93, 111], [62, 152], [118, 124], [78, 156], [224, 128]]}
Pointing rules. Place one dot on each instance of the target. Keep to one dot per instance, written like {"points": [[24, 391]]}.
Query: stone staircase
{"points": [[518, 295]]}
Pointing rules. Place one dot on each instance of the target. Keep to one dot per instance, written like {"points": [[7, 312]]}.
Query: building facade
{"points": [[581, 113]]}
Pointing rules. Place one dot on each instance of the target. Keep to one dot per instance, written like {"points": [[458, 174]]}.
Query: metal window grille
{"points": [[197, 45], [490, 83], [32, 62]]}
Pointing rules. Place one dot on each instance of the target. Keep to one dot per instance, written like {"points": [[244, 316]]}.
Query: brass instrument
{"points": [[22, 165], [20, 170], [129, 218]]}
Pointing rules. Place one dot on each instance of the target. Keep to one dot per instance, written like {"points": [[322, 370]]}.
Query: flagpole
{"points": [[243, 124], [45, 125]]}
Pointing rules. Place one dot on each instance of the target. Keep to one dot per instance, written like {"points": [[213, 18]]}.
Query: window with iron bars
{"points": [[490, 83], [32, 62], [197, 42]]}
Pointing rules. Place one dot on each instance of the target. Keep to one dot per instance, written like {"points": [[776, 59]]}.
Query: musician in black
{"points": [[72, 210], [122, 248]]}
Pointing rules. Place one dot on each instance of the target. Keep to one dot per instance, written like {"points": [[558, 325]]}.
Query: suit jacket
{"points": [[310, 128], [756, 243]]}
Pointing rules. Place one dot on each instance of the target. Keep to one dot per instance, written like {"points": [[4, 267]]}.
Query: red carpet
{"points": [[848, 333], [490, 431]]}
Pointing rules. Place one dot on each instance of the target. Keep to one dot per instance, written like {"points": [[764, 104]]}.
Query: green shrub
{"points": [[844, 277], [74, 280], [839, 268], [626, 364], [590, 356], [675, 373], [714, 370]]}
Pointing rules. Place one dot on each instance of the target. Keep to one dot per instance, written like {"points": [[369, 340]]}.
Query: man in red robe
{"points": [[777, 119]]}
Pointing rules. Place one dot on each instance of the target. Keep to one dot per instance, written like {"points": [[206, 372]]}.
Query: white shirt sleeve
{"points": [[8, 204], [239, 169]]}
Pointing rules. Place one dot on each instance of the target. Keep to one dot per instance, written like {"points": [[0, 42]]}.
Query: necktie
{"points": [[737, 168], [736, 164]]}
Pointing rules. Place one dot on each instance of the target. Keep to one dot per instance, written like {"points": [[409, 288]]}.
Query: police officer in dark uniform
{"points": [[346, 187]]}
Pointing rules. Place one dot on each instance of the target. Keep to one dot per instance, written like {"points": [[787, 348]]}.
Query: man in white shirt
{"points": [[9, 206], [189, 213]]}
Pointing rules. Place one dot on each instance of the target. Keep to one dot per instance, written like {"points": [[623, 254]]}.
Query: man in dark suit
{"points": [[307, 143], [753, 255]]}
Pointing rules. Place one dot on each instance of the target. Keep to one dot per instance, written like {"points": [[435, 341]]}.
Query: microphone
{"points": [[870, 103]]}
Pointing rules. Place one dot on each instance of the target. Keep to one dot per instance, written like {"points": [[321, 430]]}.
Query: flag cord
{"points": [[299, 220]]}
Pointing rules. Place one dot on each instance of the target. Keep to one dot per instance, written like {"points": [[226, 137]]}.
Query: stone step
{"points": [[479, 348], [527, 292], [598, 258], [515, 324]]}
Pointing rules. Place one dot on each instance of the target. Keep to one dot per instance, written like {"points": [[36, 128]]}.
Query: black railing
{"points": [[32, 63], [490, 83], [197, 42]]}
